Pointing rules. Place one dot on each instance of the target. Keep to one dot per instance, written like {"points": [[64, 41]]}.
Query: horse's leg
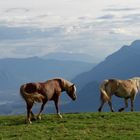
{"points": [[41, 109], [132, 103], [126, 105], [110, 105], [33, 116], [57, 107], [29, 107], [101, 106]]}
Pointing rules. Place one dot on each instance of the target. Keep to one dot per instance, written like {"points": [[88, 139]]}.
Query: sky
{"points": [[95, 27]]}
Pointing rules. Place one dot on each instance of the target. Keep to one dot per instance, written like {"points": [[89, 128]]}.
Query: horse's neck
{"points": [[137, 82], [66, 84]]}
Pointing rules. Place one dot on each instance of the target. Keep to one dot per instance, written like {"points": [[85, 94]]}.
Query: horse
{"points": [[43, 92], [126, 89]]}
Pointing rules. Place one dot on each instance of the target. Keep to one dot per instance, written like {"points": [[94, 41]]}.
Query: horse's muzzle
{"points": [[74, 98]]}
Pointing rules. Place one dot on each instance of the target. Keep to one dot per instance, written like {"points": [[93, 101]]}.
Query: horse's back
{"points": [[128, 86], [53, 84], [109, 84], [121, 88]]}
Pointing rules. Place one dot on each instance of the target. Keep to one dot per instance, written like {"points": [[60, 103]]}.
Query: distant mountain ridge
{"points": [[14, 71], [71, 57], [122, 64]]}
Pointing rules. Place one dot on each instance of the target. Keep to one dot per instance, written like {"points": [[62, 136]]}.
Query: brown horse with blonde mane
{"points": [[126, 89], [45, 91]]}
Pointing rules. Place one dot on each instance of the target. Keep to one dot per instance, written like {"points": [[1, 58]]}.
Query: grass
{"points": [[81, 126]]}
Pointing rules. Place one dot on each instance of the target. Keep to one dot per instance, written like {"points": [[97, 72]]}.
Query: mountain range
{"points": [[71, 57], [15, 71]]}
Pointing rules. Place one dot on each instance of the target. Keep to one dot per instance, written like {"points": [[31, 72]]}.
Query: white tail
{"points": [[104, 96]]}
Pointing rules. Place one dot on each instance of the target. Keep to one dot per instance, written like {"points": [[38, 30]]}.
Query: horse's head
{"points": [[71, 91]]}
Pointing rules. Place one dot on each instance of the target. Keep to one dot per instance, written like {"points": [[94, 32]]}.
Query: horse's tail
{"points": [[104, 96], [30, 97]]}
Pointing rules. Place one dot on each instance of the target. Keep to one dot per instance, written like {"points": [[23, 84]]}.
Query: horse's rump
{"points": [[107, 87], [30, 88], [104, 97], [31, 92]]}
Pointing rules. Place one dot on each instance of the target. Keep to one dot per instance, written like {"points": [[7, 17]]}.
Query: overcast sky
{"points": [[39, 27]]}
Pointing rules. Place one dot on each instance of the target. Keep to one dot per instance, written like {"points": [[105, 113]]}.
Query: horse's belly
{"points": [[50, 95], [122, 94]]}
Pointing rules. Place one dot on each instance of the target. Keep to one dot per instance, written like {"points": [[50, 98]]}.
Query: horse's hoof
{"points": [[112, 111], [121, 109], [99, 110], [60, 116], [33, 119], [39, 117], [28, 122]]}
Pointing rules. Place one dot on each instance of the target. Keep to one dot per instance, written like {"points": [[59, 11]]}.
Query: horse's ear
{"points": [[72, 85]]}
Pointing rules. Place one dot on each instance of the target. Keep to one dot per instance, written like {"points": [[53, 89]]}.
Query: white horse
{"points": [[126, 89]]}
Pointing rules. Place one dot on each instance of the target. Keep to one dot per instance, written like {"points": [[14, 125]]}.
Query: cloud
{"points": [[83, 34], [121, 31], [17, 10], [121, 12], [81, 39], [108, 16], [40, 34], [133, 17], [26, 48], [23, 17], [114, 9], [120, 20]]}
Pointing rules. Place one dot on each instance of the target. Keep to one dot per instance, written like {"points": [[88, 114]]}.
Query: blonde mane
{"points": [[135, 78], [137, 81], [66, 83]]}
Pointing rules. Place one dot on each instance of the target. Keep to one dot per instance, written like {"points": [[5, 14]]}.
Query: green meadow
{"points": [[76, 126]]}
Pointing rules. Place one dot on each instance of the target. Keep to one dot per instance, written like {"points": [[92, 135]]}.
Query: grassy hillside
{"points": [[83, 126]]}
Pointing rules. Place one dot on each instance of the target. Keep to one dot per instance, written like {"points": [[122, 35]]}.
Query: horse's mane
{"points": [[137, 81], [65, 83], [135, 78]]}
